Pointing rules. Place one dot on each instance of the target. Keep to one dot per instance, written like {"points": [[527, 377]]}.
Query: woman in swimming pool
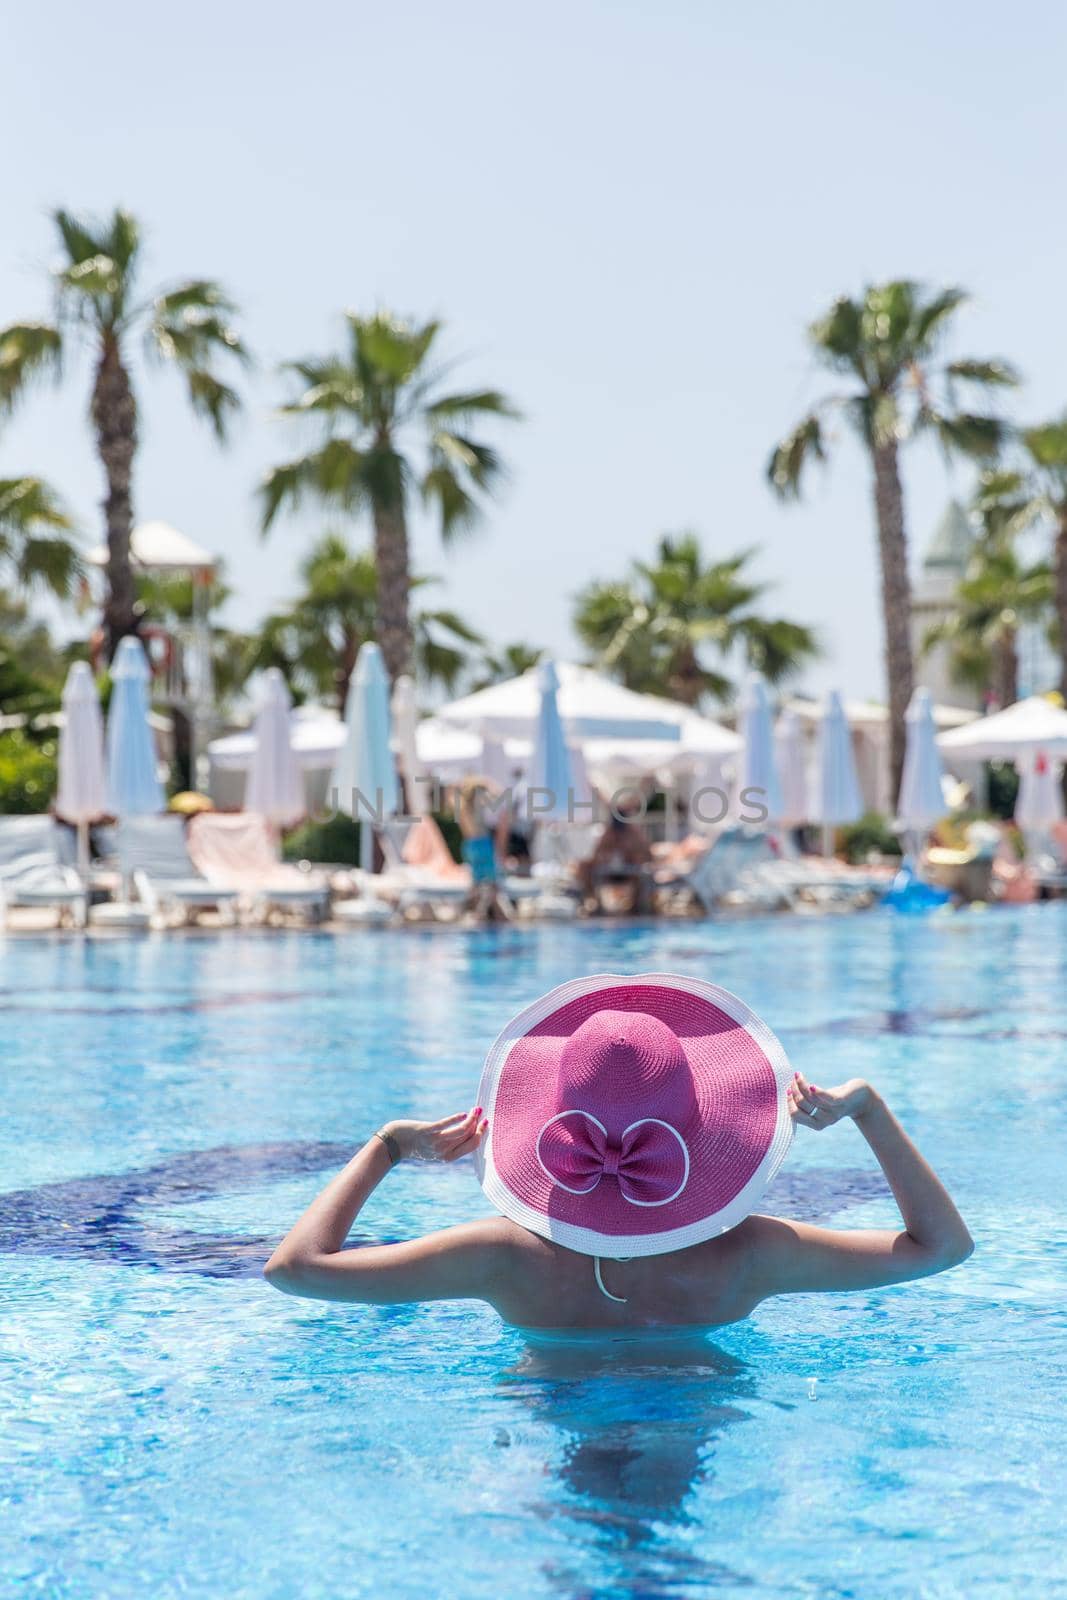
{"points": [[637, 1122]]}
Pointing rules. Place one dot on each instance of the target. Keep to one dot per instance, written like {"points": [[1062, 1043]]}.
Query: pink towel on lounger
{"points": [[241, 851], [425, 847]]}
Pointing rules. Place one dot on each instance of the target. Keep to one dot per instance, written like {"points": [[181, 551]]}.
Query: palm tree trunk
{"points": [[393, 626], [686, 681], [346, 665], [1059, 562], [1006, 667], [896, 599], [114, 414]]}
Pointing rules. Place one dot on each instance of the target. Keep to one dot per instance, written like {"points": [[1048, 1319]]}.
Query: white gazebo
{"points": [[1028, 726], [590, 707]]}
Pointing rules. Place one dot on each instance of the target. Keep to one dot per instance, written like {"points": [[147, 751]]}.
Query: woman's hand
{"points": [[821, 1108], [446, 1140]]}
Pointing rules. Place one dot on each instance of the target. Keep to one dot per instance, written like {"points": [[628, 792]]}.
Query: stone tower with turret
{"points": [[933, 591]]}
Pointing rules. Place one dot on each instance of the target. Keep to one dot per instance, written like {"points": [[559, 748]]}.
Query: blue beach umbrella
{"points": [[758, 768], [133, 786], [551, 770], [364, 783]]}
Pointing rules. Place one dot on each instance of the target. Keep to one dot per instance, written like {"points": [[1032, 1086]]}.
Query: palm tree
{"points": [[35, 545], [316, 641], [502, 662], [1045, 501], [885, 344], [653, 628], [98, 304], [369, 399], [998, 593]]}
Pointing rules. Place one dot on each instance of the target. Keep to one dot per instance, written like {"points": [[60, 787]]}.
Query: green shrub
{"points": [[1002, 788], [871, 832], [27, 772], [335, 840]]}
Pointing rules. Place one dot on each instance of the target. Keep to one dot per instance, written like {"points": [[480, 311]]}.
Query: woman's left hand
{"points": [[815, 1108], [446, 1140]]}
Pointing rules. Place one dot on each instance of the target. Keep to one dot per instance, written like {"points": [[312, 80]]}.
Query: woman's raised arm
{"points": [[455, 1263], [793, 1257]]}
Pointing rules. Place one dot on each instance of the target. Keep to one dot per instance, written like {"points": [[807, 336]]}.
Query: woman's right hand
{"points": [[447, 1140], [816, 1108]]}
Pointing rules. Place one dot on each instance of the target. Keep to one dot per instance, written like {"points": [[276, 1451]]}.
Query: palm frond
{"points": [[479, 462], [192, 336], [839, 334], [211, 399], [82, 238], [97, 278], [477, 402], [965, 433], [338, 392], [457, 508], [987, 374], [392, 348], [28, 504], [451, 622], [335, 473], [1047, 445], [33, 536], [200, 294], [27, 349], [931, 318], [123, 239], [51, 563], [789, 458]]}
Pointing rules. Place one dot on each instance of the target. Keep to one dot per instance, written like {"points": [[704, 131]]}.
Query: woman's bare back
{"points": [[544, 1285]]}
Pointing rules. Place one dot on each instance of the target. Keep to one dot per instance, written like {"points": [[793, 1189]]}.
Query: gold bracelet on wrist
{"points": [[395, 1153]]}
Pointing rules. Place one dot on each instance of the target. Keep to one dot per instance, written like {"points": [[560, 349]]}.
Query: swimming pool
{"points": [[171, 1426]]}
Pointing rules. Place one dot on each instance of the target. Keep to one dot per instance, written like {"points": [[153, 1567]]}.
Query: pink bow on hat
{"points": [[650, 1162]]}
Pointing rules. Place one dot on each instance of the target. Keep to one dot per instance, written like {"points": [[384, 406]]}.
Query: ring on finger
{"points": [[813, 1111]]}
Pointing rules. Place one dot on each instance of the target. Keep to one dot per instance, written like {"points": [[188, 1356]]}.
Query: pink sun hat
{"points": [[632, 1116]]}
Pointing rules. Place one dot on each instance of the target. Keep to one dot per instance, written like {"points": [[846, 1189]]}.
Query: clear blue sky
{"points": [[625, 213]]}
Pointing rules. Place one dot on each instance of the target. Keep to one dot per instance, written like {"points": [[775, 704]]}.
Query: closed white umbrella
{"points": [[405, 722], [792, 769], [133, 786], [364, 779], [757, 771], [551, 770], [275, 787], [921, 800], [1039, 802], [82, 793], [837, 791]]}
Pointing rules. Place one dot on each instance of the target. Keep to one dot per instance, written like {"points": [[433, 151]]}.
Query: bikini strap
{"points": [[620, 1299]]}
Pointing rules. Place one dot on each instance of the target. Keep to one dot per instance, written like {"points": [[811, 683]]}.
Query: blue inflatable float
{"points": [[912, 895]]}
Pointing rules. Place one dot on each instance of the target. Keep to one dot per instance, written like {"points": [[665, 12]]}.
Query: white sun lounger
{"points": [[414, 888], [240, 851], [738, 869], [32, 872], [153, 857]]}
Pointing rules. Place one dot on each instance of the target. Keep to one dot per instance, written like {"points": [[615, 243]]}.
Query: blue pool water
{"points": [[170, 1426]]}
